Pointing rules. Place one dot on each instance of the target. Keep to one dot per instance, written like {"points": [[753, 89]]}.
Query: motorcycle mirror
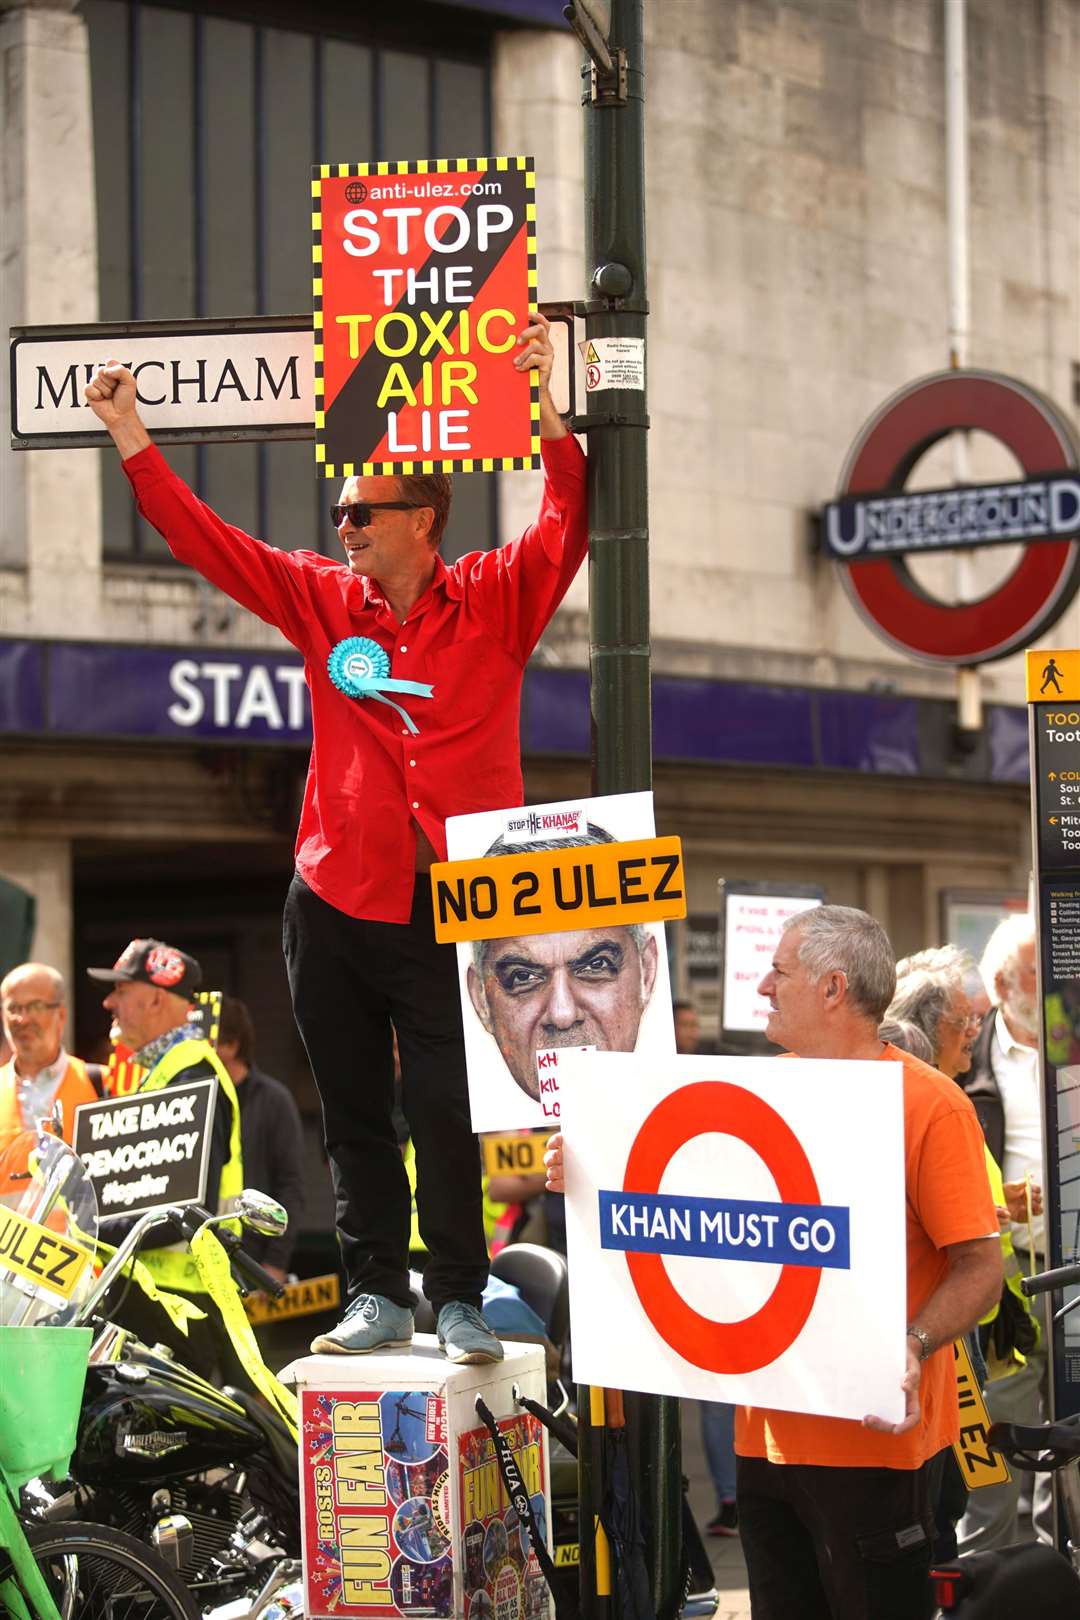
{"points": [[262, 1213]]}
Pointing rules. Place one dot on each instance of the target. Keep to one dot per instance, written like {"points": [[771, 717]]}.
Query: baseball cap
{"points": [[151, 961]]}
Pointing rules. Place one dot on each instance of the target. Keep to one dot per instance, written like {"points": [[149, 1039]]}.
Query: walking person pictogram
{"points": [[1051, 676]]}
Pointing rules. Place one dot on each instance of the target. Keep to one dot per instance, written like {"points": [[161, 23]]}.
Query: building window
{"points": [[205, 132]]}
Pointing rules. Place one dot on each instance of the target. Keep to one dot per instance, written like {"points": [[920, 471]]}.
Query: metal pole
{"points": [[616, 424], [968, 683]]}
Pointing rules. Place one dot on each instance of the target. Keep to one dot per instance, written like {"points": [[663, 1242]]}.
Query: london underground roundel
{"points": [[757, 1340], [1044, 581]]}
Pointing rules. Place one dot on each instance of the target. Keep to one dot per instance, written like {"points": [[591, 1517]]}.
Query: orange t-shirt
{"points": [[948, 1201]]}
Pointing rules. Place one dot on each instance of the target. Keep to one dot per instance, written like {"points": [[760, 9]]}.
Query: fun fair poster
{"points": [[376, 1504]]}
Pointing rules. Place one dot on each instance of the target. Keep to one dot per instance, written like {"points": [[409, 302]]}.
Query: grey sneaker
{"points": [[370, 1323], [465, 1336]]}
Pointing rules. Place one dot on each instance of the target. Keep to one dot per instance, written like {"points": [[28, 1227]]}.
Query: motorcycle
{"points": [[207, 1477]]}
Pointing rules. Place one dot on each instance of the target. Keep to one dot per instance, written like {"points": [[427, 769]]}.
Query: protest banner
{"points": [[731, 1235], [424, 274], [598, 978], [150, 1150]]}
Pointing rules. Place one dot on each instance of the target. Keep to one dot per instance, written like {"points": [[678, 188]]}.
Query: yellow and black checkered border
{"points": [[358, 171]]}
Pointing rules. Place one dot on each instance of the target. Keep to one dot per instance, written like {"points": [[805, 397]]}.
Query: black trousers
{"points": [[836, 1543], [352, 981]]}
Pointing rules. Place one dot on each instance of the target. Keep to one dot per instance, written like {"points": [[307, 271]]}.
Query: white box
{"points": [[404, 1509]]}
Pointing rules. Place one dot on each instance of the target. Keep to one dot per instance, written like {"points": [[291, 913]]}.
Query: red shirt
{"points": [[469, 636]]}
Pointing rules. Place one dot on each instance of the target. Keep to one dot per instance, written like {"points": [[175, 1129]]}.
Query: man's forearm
{"points": [[965, 1295], [552, 425], [129, 436]]}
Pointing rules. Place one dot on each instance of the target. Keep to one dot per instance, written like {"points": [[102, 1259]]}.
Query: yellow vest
{"points": [[492, 1211], [173, 1267]]}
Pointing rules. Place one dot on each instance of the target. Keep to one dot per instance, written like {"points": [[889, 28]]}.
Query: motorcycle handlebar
{"points": [[1044, 1281], [247, 1272]]}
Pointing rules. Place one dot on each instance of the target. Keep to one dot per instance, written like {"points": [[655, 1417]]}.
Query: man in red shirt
{"points": [[415, 673]]}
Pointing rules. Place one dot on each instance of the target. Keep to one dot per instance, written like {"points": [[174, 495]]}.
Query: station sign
{"points": [[197, 381], [728, 1237], [424, 275], [875, 525], [1053, 693]]}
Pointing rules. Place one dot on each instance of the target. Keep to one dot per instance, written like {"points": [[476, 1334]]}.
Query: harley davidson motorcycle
{"points": [[207, 1477]]}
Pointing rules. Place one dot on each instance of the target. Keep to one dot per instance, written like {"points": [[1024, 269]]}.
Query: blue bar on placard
{"points": [[726, 1229]]}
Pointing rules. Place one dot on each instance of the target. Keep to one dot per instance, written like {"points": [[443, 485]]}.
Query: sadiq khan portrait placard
{"points": [[598, 983]]}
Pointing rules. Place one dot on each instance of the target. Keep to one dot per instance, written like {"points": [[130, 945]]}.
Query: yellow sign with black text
{"points": [[556, 891], [299, 1299], [568, 1556], [521, 1155], [40, 1256], [979, 1465]]}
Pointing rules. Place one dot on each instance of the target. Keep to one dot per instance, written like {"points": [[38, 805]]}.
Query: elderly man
{"points": [[835, 1516], [451, 645], [152, 989], [1003, 1084], [39, 1073]]}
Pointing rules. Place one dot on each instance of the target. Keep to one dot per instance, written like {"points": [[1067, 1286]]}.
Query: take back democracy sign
{"points": [[424, 275], [735, 1229], [149, 1150]]}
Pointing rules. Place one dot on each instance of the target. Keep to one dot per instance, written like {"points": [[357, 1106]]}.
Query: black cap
{"points": [[151, 961]]}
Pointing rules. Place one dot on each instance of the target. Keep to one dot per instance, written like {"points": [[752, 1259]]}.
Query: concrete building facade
{"points": [[797, 235]]}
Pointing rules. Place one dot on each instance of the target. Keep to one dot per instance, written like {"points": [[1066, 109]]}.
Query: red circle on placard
{"points": [[1044, 581], [722, 1347]]}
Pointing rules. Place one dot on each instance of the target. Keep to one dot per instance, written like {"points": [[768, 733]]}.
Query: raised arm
{"points": [[269, 582]]}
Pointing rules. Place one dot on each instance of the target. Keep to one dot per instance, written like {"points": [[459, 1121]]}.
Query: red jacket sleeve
{"points": [[273, 584], [519, 586]]}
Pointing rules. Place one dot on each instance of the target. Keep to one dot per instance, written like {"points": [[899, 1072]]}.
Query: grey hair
{"points": [[59, 989], [592, 835], [908, 1037], [1002, 949], [841, 939], [923, 999]]}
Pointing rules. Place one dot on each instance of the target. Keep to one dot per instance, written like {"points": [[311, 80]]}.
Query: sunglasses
{"points": [[359, 512]]}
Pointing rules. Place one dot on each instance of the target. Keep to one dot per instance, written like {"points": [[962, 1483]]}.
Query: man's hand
{"points": [[1016, 1199], [553, 1159], [535, 353], [910, 1386], [111, 395]]}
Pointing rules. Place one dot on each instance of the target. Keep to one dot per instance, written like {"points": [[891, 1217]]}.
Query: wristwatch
{"points": [[923, 1337]]}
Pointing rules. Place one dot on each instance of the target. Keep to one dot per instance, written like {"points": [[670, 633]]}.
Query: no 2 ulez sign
{"points": [[425, 273]]}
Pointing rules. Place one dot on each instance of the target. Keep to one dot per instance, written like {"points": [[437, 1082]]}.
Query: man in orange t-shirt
{"points": [[835, 1516]]}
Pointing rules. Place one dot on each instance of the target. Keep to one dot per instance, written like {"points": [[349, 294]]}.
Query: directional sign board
{"points": [[424, 275], [1053, 691], [197, 380], [729, 1237]]}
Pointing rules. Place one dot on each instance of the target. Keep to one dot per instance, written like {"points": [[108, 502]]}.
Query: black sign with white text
{"points": [[149, 1150]]}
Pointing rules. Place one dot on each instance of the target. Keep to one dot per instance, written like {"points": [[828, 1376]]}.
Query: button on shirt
{"points": [[469, 636], [1016, 1070]]}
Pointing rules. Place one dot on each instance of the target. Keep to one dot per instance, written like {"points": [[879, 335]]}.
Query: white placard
{"points": [[818, 1328], [752, 926], [613, 362], [606, 988]]}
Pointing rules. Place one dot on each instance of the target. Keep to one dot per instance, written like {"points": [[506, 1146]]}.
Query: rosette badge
{"points": [[360, 668]]}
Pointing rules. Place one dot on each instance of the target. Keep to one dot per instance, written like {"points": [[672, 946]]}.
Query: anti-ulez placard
{"points": [[424, 275]]}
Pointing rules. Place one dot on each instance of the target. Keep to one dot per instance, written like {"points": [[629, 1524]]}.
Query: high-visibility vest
{"points": [[75, 1087], [492, 1211], [173, 1267]]}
